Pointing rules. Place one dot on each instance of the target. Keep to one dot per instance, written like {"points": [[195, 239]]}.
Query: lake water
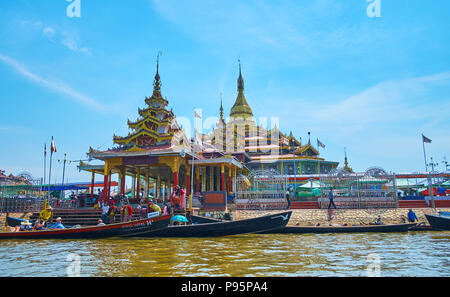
{"points": [[377, 254]]}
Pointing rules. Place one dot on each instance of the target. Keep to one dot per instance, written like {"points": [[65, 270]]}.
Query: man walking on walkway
{"points": [[331, 198]]}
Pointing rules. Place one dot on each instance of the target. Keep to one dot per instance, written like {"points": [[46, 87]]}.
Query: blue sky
{"points": [[372, 85]]}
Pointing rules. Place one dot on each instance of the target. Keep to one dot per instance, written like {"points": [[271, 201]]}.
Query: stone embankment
{"points": [[310, 217]]}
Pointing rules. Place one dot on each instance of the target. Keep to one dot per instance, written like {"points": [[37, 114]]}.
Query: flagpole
{"points": [[50, 169], [45, 162], [192, 169], [424, 155], [318, 165]]}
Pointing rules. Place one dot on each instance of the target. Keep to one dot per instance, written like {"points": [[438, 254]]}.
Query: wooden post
{"points": [[92, 183]]}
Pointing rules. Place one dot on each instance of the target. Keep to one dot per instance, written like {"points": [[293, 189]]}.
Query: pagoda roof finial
{"points": [[221, 107], [241, 107], [240, 79], [157, 81]]}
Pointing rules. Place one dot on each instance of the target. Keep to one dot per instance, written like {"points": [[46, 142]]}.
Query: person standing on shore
{"points": [[331, 198], [127, 213], [412, 216], [288, 201], [105, 209]]}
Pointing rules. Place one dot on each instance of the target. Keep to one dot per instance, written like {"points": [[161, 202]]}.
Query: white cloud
{"points": [[53, 34], [59, 87], [49, 32], [14, 129], [69, 42], [387, 104]]}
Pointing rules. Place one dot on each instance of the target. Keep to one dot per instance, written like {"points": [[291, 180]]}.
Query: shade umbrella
{"points": [[308, 185], [179, 218]]}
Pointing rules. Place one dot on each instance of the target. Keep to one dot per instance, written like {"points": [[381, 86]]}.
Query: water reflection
{"points": [[405, 254]]}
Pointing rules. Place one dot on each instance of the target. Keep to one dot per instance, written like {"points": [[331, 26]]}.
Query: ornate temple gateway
{"points": [[157, 151]]}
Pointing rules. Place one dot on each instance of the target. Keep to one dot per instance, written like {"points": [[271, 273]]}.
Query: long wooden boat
{"points": [[329, 229], [342, 229], [132, 228], [224, 228], [439, 222], [13, 222]]}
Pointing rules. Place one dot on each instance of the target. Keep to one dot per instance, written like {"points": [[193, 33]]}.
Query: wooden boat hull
{"points": [[422, 228], [344, 229], [224, 228], [94, 232], [441, 222]]}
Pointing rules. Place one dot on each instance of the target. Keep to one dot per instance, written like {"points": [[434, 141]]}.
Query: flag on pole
{"points": [[53, 148], [197, 115], [320, 144], [426, 139]]}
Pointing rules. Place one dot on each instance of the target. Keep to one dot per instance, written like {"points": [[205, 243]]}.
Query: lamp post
{"points": [[432, 164], [446, 164]]}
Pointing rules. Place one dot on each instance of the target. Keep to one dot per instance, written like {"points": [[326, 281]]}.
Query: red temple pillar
{"points": [[175, 179], [138, 183], [109, 188], [188, 185]]}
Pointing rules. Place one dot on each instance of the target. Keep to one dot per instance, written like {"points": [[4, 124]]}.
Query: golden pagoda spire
{"points": [[221, 109], [346, 167], [157, 82], [241, 107]]}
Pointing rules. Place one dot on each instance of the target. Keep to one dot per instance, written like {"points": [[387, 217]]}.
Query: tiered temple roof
{"points": [[155, 127], [242, 134]]}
